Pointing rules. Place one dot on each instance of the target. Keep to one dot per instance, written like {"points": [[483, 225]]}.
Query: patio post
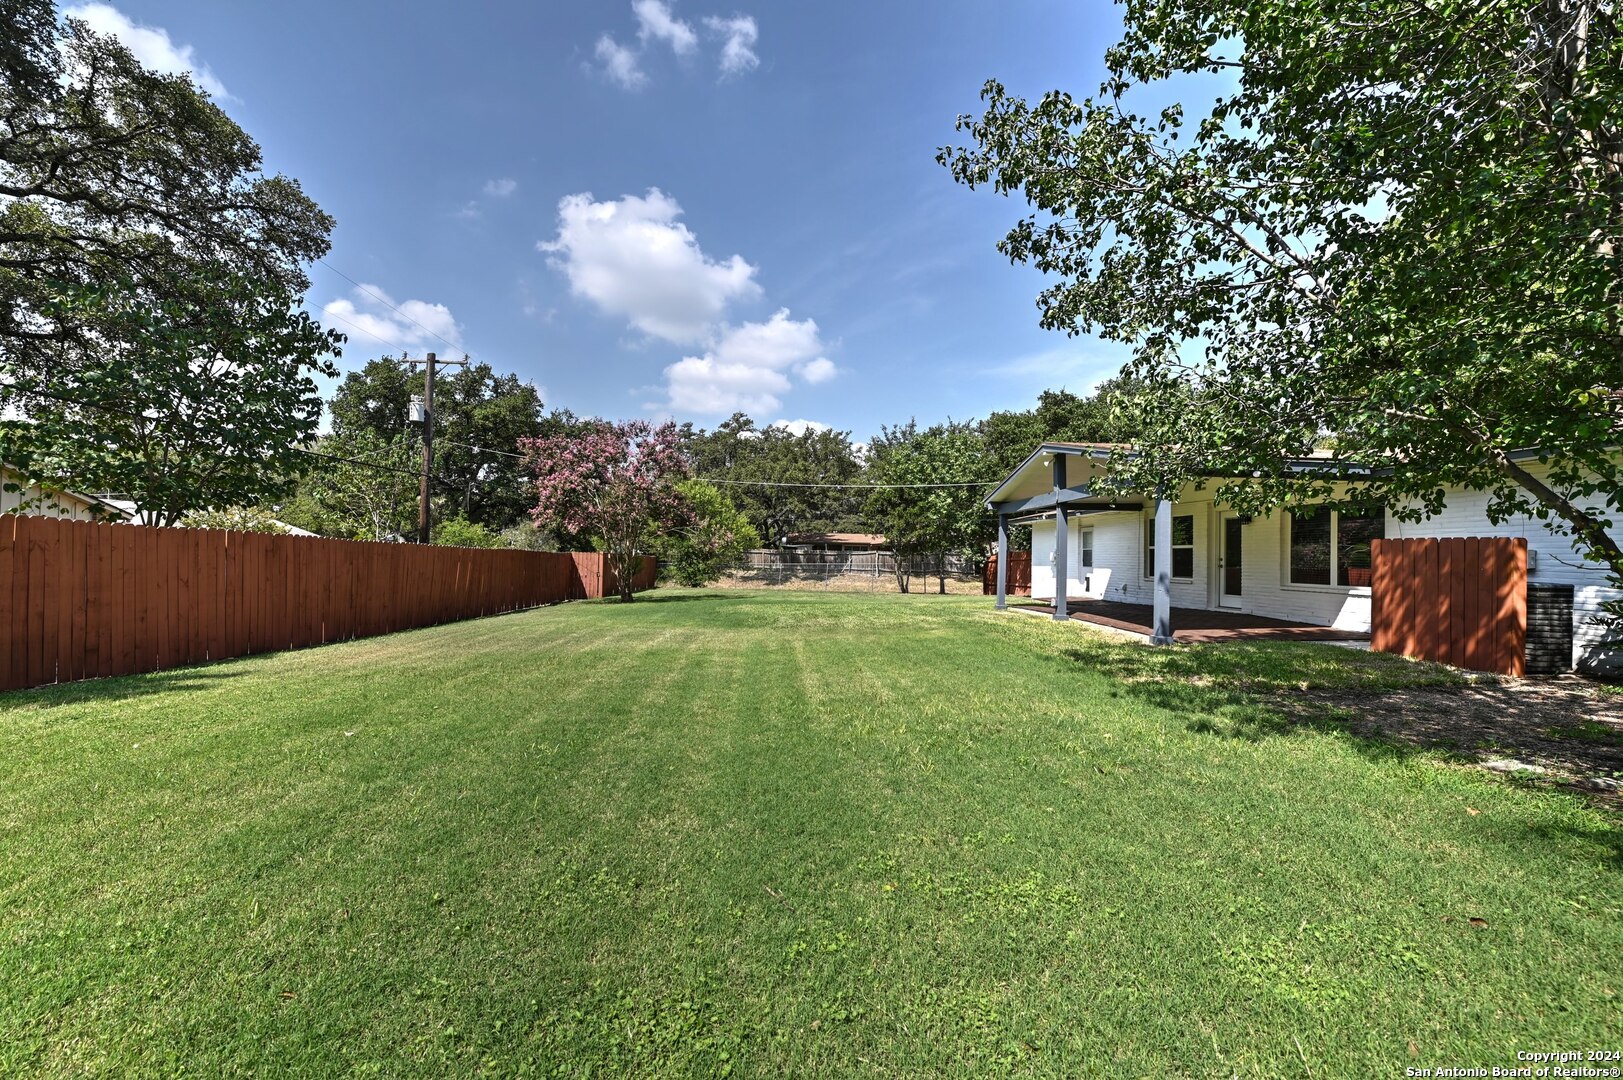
{"points": [[1002, 561], [1061, 539], [1162, 627]]}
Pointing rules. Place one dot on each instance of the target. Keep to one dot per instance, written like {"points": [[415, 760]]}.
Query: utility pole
{"points": [[424, 524]]}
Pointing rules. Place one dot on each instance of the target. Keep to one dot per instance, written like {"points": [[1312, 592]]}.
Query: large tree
{"points": [[361, 487], [1104, 416], [714, 537], [193, 402], [150, 277], [1396, 234], [929, 494], [773, 475], [479, 419]]}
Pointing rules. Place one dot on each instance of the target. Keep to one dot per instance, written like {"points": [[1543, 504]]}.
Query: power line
{"points": [[388, 304], [762, 483], [480, 449], [130, 414], [788, 484]]}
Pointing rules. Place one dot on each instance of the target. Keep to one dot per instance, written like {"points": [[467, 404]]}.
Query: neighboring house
{"points": [[134, 513], [19, 496], [1301, 565], [835, 541]]}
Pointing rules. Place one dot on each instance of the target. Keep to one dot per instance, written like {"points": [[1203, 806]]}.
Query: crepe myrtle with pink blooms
{"points": [[613, 482]]}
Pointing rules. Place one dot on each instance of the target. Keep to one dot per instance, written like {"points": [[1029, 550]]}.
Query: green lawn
{"points": [[777, 835]]}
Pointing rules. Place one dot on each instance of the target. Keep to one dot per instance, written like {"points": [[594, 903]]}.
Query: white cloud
{"points": [[702, 384], [655, 21], [367, 316], [748, 366], [500, 188], [632, 258], [620, 63], [150, 45], [738, 48], [800, 427], [819, 370]]}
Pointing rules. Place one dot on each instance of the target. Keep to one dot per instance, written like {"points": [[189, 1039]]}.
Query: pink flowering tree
{"points": [[616, 483]]}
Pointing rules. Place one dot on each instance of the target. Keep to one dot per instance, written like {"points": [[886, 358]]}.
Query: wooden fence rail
{"points": [[81, 600], [1456, 601]]}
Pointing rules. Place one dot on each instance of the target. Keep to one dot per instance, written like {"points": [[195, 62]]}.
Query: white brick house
{"points": [[1304, 567]]}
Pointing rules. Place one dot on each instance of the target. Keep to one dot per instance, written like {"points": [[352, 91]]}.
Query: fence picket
{"points": [[1460, 601]]}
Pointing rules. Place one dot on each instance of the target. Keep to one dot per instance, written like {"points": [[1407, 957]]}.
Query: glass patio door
{"points": [[1230, 561]]}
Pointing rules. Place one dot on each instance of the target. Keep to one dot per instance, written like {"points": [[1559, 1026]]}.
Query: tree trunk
{"points": [[624, 565], [1586, 529]]}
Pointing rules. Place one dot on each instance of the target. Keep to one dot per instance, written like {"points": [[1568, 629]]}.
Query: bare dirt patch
{"points": [[1563, 729]]}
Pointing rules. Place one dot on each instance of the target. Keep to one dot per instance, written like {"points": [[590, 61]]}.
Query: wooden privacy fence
{"points": [[80, 600], [1456, 601], [1019, 583]]}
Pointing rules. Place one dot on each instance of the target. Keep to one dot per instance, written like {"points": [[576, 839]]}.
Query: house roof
{"points": [[874, 539], [110, 505], [1032, 477]]}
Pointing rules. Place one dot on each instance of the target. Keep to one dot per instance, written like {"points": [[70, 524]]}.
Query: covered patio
{"points": [[1194, 624], [1067, 484]]}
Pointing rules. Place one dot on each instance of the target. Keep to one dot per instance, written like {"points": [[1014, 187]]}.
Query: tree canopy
{"points": [[738, 451], [616, 483], [192, 402], [151, 277], [480, 417], [1396, 234], [715, 536], [362, 488], [929, 520], [1104, 416]]}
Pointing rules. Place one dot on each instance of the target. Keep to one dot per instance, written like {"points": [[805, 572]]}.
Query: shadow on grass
{"points": [[1386, 707], [119, 687], [662, 597]]}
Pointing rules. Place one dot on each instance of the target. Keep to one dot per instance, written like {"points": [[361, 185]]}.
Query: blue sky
{"points": [[659, 208]]}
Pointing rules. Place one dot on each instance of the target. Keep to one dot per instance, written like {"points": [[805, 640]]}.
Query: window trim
{"points": [[1084, 548], [1148, 547]]}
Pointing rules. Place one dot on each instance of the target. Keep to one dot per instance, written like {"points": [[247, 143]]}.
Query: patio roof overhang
{"points": [[1057, 478]]}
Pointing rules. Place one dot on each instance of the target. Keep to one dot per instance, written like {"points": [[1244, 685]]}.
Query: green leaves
{"points": [[193, 397], [479, 418], [1399, 235], [151, 278], [934, 521], [715, 537]]}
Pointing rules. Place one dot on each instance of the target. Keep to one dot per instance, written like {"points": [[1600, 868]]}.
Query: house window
{"points": [[1183, 547], [1086, 547], [1354, 531], [1334, 546]]}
